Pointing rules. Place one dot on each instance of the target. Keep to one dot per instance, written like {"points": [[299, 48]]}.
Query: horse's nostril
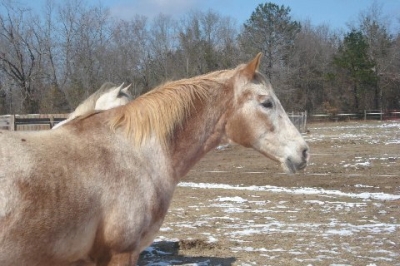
{"points": [[305, 153]]}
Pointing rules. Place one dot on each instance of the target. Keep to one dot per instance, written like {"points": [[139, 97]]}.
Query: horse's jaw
{"points": [[290, 160]]}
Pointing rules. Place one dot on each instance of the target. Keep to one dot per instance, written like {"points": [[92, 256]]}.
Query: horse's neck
{"points": [[199, 134]]}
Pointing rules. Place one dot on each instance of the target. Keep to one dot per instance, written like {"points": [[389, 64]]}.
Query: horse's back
{"points": [[14, 155], [45, 213], [22, 152], [79, 188]]}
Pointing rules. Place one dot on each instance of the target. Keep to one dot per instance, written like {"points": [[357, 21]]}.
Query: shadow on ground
{"points": [[167, 253]]}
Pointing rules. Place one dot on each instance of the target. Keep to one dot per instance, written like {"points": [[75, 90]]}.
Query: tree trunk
{"points": [[355, 94], [31, 106]]}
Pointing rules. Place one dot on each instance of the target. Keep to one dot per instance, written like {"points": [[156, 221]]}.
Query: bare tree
{"points": [[130, 52], [227, 46], [53, 98], [205, 39], [310, 65], [72, 47], [84, 38], [163, 44], [374, 27], [190, 38], [20, 56]]}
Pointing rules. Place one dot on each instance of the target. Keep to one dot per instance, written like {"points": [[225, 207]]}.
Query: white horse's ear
{"points": [[117, 90], [250, 70], [125, 90]]}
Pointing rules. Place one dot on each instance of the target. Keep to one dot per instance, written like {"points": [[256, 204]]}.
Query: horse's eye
{"points": [[267, 104]]}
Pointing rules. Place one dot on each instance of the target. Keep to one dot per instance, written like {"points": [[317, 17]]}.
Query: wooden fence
{"points": [[299, 119], [47, 121], [31, 121]]}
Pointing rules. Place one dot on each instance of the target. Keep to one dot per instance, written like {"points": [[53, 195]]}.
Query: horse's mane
{"points": [[162, 109], [89, 104]]}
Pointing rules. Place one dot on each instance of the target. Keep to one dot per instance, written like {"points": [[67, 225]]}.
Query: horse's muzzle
{"points": [[292, 166]]}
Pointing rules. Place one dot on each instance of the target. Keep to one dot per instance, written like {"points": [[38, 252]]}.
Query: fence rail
{"points": [[299, 119], [364, 115], [30, 121], [47, 121]]}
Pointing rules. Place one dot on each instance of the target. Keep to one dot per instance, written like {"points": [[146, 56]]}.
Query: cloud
{"points": [[150, 8]]}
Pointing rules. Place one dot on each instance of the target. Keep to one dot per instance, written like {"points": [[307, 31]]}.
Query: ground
{"points": [[237, 207]]}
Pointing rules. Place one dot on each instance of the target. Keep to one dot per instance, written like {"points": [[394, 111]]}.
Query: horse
{"points": [[96, 190], [107, 97]]}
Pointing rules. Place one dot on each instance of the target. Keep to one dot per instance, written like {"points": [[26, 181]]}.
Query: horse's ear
{"points": [[125, 90], [120, 88], [250, 70], [117, 90]]}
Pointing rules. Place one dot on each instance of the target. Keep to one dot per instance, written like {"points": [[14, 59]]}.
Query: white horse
{"points": [[107, 97]]}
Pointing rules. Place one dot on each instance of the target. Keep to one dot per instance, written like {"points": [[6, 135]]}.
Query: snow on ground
{"points": [[378, 230], [331, 203], [319, 191], [359, 132]]}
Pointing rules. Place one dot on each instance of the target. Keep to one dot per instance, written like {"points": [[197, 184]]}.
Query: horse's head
{"points": [[117, 96], [258, 120]]}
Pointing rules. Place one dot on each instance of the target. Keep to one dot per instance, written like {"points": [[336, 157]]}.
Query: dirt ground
{"points": [[236, 207]]}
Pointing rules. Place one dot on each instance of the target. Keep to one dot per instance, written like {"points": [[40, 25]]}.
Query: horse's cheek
{"points": [[238, 130]]}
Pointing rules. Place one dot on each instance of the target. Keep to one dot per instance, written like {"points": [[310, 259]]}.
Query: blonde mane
{"points": [[158, 112]]}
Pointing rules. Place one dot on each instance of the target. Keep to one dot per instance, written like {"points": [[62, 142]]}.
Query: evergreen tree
{"points": [[353, 59], [272, 31]]}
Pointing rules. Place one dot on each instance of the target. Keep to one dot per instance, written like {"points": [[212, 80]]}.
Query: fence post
{"points": [[12, 125], [305, 121], [365, 115], [51, 121], [381, 114]]}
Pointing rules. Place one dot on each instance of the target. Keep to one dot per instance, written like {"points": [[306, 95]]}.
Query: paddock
{"points": [[237, 208]]}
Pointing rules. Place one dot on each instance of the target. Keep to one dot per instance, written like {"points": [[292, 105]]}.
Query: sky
{"points": [[336, 13]]}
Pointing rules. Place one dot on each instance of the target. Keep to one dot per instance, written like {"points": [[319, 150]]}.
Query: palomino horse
{"points": [[96, 190], [107, 97]]}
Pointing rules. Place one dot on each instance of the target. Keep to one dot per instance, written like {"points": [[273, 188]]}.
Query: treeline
{"points": [[51, 60]]}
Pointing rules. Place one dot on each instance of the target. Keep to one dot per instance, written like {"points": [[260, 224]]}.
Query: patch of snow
{"points": [[362, 186], [341, 232], [234, 199], [300, 190]]}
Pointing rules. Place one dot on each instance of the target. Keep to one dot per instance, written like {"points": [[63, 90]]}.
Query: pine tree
{"points": [[272, 31], [353, 59]]}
